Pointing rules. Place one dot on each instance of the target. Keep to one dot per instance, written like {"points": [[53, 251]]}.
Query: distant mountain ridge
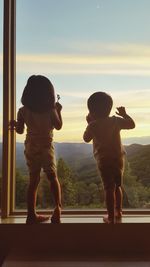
{"points": [[80, 158], [72, 153], [144, 140], [140, 164]]}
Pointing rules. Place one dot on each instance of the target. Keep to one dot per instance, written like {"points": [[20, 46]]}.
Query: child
{"points": [[41, 115], [107, 148]]}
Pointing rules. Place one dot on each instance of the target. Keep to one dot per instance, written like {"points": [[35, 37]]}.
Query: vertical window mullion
{"points": [[13, 104], [8, 107]]}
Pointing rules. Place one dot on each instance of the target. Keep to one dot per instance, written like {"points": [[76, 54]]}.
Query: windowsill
{"points": [[84, 211], [21, 219], [85, 235]]}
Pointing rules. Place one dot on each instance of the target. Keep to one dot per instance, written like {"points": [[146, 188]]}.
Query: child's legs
{"points": [[33, 158], [110, 202], [109, 188], [49, 167], [56, 191], [119, 197], [55, 187], [118, 181], [32, 193]]}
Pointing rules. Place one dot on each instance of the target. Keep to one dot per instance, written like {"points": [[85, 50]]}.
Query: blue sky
{"points": [[85, 46]]}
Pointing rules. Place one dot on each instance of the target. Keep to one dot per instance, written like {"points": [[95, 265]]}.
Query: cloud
{"points": [[105, 59], [94, 59], [131, 98], [120, 49], [73, 59], [74, 69], [98, 48]]}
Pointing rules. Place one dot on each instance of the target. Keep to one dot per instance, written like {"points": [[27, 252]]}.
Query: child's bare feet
{"points": [[118, 216], [36, 219], [108, 220], [56, 215]]}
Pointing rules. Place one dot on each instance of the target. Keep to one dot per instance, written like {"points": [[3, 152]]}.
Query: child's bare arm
{"points": [[127, 122], [89, 118], [56, 116], [88, 134], [18, 125]]}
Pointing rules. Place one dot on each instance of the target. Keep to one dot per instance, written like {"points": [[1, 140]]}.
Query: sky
{"points": [[84, 46]]}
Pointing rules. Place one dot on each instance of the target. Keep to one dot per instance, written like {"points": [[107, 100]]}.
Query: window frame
{"points": [[9, 110], [9, 107]]}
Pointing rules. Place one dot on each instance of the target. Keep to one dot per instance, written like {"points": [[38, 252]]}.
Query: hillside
{"points": [[140, 164], [80, 158], [82, 186], [72, 153]]}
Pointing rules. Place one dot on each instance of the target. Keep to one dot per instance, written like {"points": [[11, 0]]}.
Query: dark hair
{"points": [[100, 104], [38, 94]]}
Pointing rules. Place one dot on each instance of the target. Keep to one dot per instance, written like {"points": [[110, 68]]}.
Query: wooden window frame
{"points": [[9, 107], [9, 111]]}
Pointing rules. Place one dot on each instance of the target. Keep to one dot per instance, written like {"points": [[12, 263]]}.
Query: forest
{"points": [[81, 184]]}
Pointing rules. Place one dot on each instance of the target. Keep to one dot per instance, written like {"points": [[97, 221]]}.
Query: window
{"points": [[83, 47]]}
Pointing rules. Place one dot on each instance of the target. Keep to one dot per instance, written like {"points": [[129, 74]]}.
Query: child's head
{"points": [[38, 94], [100, 104]]}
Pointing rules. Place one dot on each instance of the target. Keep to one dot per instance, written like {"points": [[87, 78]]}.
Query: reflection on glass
{"points": [[100, 49]]}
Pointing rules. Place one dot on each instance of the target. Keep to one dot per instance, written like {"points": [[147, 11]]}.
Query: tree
{"points": [[21, 189], [138, 194], [68, 185], [83, 196], [44, 197]]}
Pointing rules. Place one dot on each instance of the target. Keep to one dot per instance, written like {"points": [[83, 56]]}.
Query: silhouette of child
{"points": [[41, 114], [108, 151]]}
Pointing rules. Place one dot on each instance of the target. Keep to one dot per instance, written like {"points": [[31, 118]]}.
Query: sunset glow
{"points": [[105, 48]]}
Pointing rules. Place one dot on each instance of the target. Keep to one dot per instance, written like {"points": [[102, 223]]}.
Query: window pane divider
{"points": [[9, 74]]}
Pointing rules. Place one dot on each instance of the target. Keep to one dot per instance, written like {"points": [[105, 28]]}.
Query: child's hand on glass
{"points": [[89, 118], [12, 125], [58, 106], [121, 111], [58, 98]]}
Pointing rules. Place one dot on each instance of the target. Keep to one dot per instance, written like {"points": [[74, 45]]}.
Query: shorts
{"points": [[111, 171], [40, 156]]}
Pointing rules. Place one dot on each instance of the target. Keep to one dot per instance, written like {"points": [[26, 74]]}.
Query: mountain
{"points": [[72, 152], [143, 140], [140, 164], [133, 149], [79, 157]]}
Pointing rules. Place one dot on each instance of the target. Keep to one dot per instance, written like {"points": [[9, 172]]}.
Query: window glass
{"points": [[83, 47]]}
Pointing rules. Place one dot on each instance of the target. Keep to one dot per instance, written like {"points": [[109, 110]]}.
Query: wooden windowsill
{"points": [[80, 218]]}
